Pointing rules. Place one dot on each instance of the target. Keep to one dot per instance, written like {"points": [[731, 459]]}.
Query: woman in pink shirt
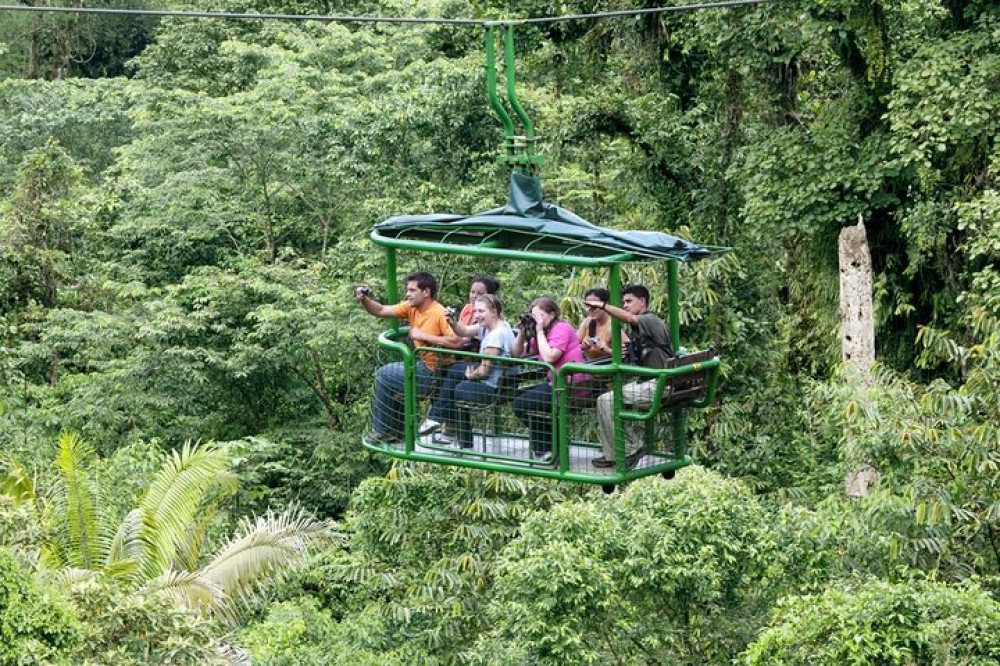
{"points": [[555, 341]]}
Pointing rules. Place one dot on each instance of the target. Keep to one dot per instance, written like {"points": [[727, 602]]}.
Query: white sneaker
{"points": [[429, 426], [444, 439]]}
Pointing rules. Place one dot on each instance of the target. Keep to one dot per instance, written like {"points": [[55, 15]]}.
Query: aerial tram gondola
{"points": [[532, 230]]}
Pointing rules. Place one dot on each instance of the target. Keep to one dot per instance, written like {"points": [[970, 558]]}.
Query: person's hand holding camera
{"points": [[526, 324], [362, 291]]}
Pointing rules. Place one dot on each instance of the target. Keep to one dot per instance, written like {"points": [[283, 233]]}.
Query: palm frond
{"points": [[172, 503], [17, 483], [267, 544], [126, 543], [83, 534], [69, 577], [188, 589]]}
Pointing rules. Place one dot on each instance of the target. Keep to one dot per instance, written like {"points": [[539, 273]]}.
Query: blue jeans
{"points": [[443, 408], [387, 406], [475, 392], [533, 407]]}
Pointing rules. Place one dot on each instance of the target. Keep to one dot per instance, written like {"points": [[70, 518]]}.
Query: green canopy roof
{"points": [[530, 228]]}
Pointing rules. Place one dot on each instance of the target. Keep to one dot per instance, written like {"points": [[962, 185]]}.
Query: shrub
{"points": [[36, 625], [877, 622]]}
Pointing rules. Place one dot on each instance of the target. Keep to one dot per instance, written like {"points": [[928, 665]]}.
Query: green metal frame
{"points": [[519, 149], [519, 153], [388, 340]]}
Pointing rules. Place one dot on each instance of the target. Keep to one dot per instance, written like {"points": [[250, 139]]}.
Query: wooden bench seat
{"points": [[689, 387]]}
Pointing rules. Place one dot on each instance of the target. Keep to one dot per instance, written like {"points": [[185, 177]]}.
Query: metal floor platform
{"points": [[515, 451]]}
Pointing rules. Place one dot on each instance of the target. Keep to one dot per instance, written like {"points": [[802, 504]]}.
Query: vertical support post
{"points": [[673, 298], [680, 432], [391, 290], [560, 434], [529, 128], [409, 364], [491, 89], [679, 416], [615, 287]]}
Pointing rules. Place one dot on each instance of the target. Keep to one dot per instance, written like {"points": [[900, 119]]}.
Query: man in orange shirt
{"points": [[428, 327]]}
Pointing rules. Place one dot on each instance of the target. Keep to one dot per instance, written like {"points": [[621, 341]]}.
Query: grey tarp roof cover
{"points": [[530, 223]]}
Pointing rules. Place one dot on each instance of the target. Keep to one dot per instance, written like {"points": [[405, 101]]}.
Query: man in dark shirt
{"points": [[650, 344]]}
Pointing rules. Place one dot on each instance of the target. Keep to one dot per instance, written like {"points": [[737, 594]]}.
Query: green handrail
{"points": [[661, 375]]}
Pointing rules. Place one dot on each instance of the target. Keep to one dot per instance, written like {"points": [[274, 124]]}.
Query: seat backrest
{"points": [[691, 386]]}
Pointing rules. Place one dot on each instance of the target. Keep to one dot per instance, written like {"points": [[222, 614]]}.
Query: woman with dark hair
{"points": [[480, 285], [595, 330], [555, 342]]}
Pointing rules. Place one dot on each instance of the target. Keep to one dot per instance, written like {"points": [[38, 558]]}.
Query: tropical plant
{"points": [[158, 546], [666, 573]]}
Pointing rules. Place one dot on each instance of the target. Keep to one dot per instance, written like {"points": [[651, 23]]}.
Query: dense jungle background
{"points": [[184, 376]]}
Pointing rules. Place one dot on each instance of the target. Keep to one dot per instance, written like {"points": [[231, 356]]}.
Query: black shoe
{"points": [[633, 459], [601, 461]]}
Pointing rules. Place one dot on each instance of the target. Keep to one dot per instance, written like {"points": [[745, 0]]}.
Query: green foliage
{"points": [[876, 622], [87, 118], [20, 528], [39, 229], [422, 549], [53, 46], [158, 546], [134, 629], [313, 467], [36, 626], [176, 251], [293, 633], [297, 632], [937, 445], [677, 572]]}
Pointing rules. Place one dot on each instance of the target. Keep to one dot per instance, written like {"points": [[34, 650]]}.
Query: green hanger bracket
{"points": [[519, 149]]}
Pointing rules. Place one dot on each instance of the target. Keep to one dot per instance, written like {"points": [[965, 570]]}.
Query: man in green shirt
{"points": [[651, 348]]}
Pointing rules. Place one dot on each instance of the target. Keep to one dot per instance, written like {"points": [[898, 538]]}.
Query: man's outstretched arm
{"points": [[373, 307], [613, 310]]}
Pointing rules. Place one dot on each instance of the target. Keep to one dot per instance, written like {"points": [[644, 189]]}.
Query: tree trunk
{"points": [[857, 326], [857, 330]]}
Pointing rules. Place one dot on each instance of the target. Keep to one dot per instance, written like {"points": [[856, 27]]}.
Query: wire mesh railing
{"points": [[526, 413]]}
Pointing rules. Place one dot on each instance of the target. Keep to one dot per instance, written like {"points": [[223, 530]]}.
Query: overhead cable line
{"points": [[333, 18]]}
